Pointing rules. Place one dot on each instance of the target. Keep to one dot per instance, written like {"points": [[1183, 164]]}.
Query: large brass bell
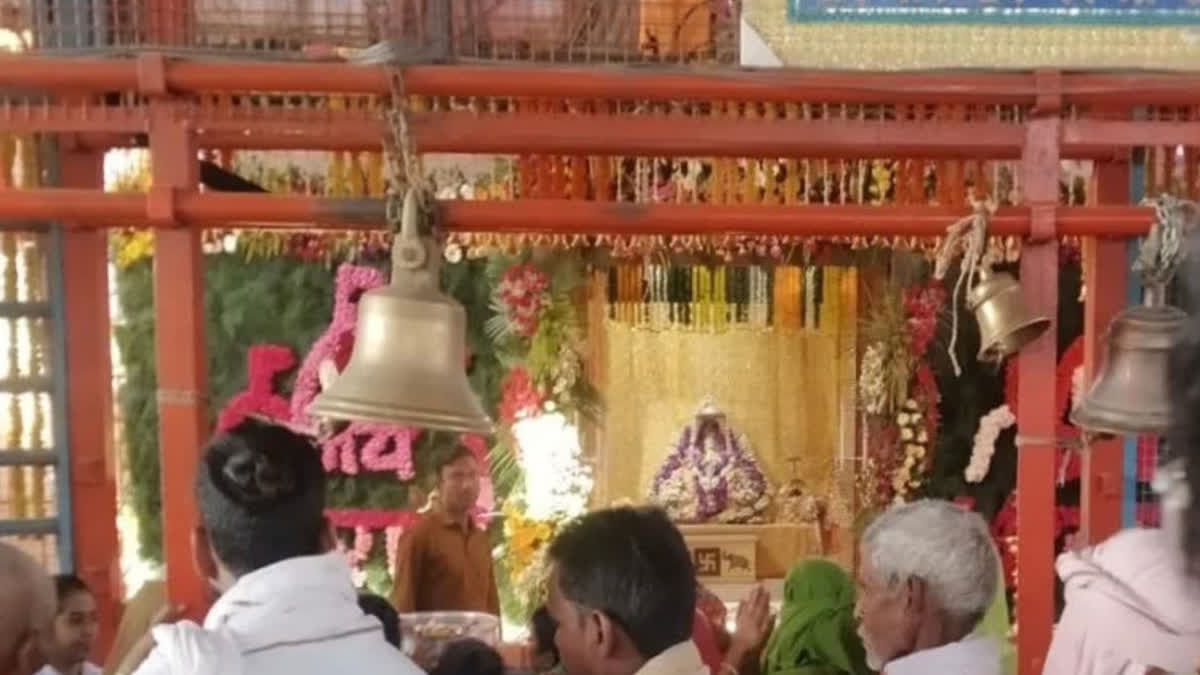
{"points": [[409, 358], [1129, 394], [1006, 325]]}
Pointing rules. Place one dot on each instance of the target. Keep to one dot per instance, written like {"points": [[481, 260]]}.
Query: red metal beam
{"points": [[1105, 268], [180, 361], [643, 83], [1037, 414], [276, 128], [93, 208], [90, 406]]}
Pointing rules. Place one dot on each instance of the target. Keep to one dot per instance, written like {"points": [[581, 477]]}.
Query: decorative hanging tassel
{"points": [[8, 155], [831, 301], [810, 298], [721, 309]]}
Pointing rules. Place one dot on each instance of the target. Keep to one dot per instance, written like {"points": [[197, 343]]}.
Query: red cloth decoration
{"points": [[263, 363]]}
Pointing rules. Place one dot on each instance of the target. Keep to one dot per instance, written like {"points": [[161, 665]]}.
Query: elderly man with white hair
{"points": [[26, 611], [927, 573]]}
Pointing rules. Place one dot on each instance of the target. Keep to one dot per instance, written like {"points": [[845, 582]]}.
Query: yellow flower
{"points": [[134, 246]]}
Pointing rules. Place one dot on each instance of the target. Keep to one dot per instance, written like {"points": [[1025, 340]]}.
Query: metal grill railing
{"points": [[34, 464], [576, 31]]}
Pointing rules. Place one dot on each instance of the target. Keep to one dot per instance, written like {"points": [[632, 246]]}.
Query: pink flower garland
{"points": [[337, 340], [371, 519], [341, 451], [263, 363], [365, 522]]}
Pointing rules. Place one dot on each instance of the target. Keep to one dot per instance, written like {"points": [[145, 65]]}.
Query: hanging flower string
{"points": [[984, 447], [967, 237]]}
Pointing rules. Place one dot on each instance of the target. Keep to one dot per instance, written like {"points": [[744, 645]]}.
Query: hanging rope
{"points": [[967, 236], [1162, 250], [404, 162]]}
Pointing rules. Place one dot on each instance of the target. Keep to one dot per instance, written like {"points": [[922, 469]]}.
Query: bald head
{"points": [[26, 604]]}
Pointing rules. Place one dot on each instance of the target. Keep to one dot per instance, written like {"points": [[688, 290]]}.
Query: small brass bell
{"points": [[1006, 325], [408, 363], [1129, 395]]}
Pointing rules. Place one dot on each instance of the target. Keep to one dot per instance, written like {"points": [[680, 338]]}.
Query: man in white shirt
{"points": [[287, 604], [26, 611], [927, 574], [623, 595]]}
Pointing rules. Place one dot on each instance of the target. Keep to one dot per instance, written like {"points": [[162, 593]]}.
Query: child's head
{"points": [[76, 622], [373, 605], [545, 654], [469, 657]]}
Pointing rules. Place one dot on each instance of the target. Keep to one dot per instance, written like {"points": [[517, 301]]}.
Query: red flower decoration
{"points": [[521, 293], [263, 364], [518, 396]]}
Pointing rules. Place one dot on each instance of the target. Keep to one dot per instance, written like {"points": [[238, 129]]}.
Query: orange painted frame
{"points": [[90, 403], [172, 204]]}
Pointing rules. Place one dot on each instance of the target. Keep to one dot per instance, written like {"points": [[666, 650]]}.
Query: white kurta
{"points": [[297, 617], [975, 655]]}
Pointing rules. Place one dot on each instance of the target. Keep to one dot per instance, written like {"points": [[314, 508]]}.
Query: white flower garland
{"points": [[913, 438], [872, 390], [990, 427]]}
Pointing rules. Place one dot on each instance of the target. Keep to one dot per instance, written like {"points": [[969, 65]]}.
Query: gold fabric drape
{"points": [[780, 387]]}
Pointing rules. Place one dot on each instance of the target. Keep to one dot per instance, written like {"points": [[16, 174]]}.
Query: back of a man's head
{"points": [[260, 490], [945, 546], [633, 565], [26, 604]]}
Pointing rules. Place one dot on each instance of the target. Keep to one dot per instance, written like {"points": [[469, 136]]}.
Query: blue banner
{"points": [[1162, 12]]}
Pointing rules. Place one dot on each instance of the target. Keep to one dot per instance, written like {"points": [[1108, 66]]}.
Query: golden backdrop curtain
{"points": [[784, 388]]}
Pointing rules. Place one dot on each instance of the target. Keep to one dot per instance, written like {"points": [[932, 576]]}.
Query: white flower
{"points": [[906, 434]]}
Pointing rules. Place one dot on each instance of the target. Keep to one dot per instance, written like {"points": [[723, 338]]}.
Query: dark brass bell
{"points": [[1129, 394], [408, 363], [1006, 325]]}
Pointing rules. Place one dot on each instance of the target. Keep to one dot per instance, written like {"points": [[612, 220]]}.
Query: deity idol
{"points": [[710, 475]]}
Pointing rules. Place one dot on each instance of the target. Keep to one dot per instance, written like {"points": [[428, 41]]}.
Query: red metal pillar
{"points": [[180, 356], [1037, 417], [89, 401], [170, 22], [1105, 273]]}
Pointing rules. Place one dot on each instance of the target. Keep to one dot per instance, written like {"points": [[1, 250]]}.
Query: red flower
{"points": [[518, 396]]}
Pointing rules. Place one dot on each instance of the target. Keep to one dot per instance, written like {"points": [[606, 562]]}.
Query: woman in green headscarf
{"points": [[816, 633]]}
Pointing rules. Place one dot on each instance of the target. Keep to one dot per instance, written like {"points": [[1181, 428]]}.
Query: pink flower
{"points": [[351, 282]]}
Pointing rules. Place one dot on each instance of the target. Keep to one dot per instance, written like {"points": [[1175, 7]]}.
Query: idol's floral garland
{"points": [[711, 476]]}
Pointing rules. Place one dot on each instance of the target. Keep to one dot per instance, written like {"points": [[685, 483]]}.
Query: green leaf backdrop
{"points": [[282, 300]]}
